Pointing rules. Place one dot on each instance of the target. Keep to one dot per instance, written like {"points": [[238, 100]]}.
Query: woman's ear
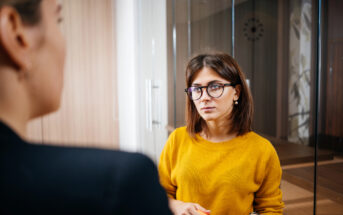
{"points": [[238, 89], [14, 38]]}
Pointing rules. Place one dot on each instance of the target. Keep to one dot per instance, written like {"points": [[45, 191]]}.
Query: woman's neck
{"points": [[218, 132], [18, 126], [14, 106]]}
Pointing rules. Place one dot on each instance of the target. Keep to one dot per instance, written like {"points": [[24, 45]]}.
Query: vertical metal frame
{"points": [[189, 27], [233, 28], [174, 57], [317, 96]]}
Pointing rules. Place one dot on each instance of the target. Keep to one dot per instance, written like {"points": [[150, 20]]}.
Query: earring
{"points": [[236, 102]]}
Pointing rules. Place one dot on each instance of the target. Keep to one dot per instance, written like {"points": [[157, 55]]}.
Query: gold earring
{"points": [[236, 102]]}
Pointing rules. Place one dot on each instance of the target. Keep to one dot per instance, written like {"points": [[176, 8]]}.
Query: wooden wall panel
{"points": [[334, 75], [88, 115], [334, 93]]}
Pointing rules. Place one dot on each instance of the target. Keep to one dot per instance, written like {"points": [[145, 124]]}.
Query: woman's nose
{"points": [[205, 95]]}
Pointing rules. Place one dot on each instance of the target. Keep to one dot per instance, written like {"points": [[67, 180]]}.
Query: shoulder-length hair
{"points": [[225, 66]]}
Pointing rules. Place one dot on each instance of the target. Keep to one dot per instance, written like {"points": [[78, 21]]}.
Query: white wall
{"points": [[142, 75], [126, 30]]}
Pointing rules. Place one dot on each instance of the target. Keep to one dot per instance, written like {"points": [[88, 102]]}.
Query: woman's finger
{"points": [[199, 207], [192, 210], [203, 213]]}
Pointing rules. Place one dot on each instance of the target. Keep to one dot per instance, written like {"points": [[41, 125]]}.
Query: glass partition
{"points": [[195, 26], [278, 46], [330, 115]]}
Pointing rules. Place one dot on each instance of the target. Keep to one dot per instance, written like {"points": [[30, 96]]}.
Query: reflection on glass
{"points": [[330, 119], [275, 44], [201, 26], [210, 26], [274, 47], [300, 42]]}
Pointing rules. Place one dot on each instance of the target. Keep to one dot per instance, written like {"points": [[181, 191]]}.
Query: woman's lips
{"points": [[207, 109]]}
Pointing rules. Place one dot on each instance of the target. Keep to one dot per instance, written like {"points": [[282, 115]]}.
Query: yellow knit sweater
{"points": [[233, 177]]}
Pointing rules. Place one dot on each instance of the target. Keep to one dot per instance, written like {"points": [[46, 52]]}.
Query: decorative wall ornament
{"points": [[253, 29]]}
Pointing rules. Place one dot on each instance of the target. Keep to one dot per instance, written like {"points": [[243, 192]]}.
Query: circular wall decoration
{"points": [[253, 29]]}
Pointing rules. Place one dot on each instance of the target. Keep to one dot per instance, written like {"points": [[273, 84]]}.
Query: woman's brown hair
{"points": [[29, 10], [225, 66]]}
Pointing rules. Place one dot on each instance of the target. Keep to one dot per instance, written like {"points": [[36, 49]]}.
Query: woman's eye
{"points": [[196, 89], [214, 87]]}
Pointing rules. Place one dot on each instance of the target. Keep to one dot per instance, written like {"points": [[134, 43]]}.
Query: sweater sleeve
{"points": [[268, 199], [165, 167]]}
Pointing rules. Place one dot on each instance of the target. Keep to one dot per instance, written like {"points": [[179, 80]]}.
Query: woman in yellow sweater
{"points": [[216, 164]]}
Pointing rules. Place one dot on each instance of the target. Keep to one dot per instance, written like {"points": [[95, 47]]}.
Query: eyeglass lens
{"points": [[213, 90]]}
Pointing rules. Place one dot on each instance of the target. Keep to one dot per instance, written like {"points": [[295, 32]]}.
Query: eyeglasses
{"points": [[214, 90]]}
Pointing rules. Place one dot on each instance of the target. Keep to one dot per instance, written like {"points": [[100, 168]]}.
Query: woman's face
{"points": [[45, 79], [214, 109]]}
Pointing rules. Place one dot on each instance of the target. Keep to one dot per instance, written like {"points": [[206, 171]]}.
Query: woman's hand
{"points": [[186, 208]]}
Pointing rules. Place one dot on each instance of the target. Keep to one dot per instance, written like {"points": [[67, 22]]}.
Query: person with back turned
{"points": [[41, 179]]}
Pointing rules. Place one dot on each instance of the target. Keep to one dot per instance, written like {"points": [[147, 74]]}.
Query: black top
{"points": [[41, 179]]}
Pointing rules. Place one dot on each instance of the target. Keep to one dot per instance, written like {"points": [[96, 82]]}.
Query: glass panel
{"points": [[275, 44], [274, 47], [210, 26], [330, 119], [200, 26]]}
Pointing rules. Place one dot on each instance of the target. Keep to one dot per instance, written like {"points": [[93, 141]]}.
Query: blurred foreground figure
{"points": [[38, 179]]}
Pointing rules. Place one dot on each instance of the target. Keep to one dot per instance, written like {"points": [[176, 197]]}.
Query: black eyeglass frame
{"points": [[201, 87]]}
